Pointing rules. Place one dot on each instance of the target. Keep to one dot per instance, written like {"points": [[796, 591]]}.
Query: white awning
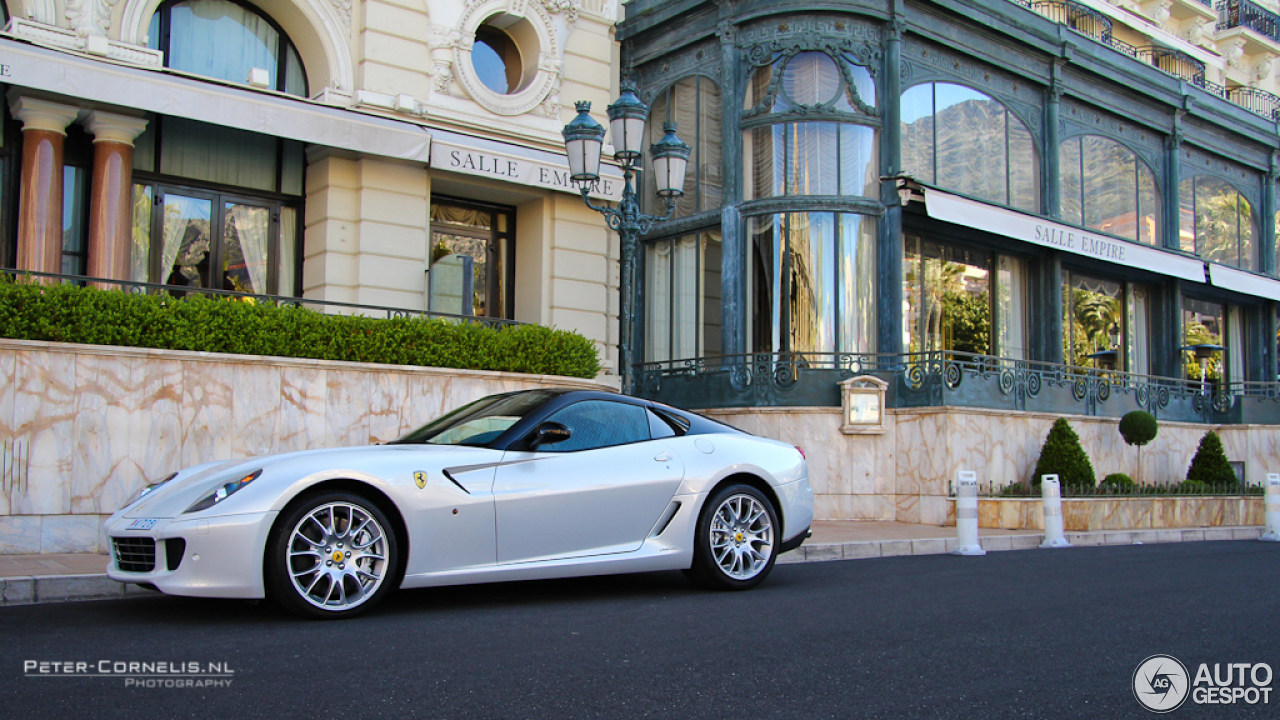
{"points": [[1244, 282], [100, 81], [1071, 240]]}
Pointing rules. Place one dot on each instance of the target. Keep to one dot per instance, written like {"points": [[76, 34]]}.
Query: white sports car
{"points": [[525, 485]]}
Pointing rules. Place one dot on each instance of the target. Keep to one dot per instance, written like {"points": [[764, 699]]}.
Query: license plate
{"points": [[143, 524]]}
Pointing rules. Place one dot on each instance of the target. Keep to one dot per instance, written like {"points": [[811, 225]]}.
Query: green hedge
{"points": [[65, 313]]}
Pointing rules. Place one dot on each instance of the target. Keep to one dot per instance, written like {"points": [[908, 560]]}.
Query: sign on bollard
{"points": [[1051, 494], [967, 514], [1271, 506]]}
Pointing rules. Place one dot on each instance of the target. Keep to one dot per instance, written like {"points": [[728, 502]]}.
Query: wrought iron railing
{"points": [[1242, 13], [1174, 62], [1103, 489], [951, 378], [178, 291], [1081, 18], [1257, 101]]}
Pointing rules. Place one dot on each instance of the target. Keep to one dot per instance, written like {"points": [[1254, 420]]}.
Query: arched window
{"points": [[1216, 222], [960, 139], [811, 128], [228, 41], [694, 105], [1106, 187]]}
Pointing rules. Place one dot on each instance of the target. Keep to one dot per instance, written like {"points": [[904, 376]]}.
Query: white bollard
{"points": [[967, 514], [1051, 494], [1271, 506]]}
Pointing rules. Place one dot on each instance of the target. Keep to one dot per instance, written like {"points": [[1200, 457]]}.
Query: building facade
{"points": [[1006, 211], [400, 154]]}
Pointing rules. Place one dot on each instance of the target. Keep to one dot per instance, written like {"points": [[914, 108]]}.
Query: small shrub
{"points": [[1210, 465], [1138, 427], [1192, 487], [1118, 482], [1062, 455]]}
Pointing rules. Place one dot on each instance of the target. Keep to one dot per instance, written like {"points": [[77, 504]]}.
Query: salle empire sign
{"points": [[1080, 243], [509, 168]]}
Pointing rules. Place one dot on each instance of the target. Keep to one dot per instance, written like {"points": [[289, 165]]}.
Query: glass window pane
{"points": [[814, 160], [1072, 185], [859, 161], [1024, 167], [811, 78], [1096, 322], [295, 77], [1217, 223], [216, 154], [708, 142], [657, 301], [758, 87], [1011, 286], [1187, 215], [140, 250], [765, 298], [1149, 204], [948, 298], [1202, 324], [857, 261], [187, 241], [245, 248], [971, 143], [1139, 331], [294, 168], [599, 423], [811, 287], [763, 149], [288, 272], [221, 39], [74, 223], [917, 132], [684, 297], [865, 84], [712, 308], [1248, 228]]}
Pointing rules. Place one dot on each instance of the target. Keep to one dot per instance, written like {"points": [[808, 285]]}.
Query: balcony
{"points": [[1244, 14], [956, 379]]}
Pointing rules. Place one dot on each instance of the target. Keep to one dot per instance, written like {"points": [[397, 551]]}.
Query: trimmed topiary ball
{"points": [[1118, 481], [1138, 427], [1210, 465], [1062, 455]]}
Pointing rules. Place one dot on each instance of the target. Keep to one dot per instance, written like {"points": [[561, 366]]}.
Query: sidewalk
{"points": [[26, 579]]}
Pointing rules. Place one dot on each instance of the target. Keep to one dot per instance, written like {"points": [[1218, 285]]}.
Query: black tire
{"points": [[356, 556], [722, 549]]}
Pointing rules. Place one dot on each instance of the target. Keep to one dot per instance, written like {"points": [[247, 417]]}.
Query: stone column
{"points": [[44, 127], [889, 271], [111, 199]]}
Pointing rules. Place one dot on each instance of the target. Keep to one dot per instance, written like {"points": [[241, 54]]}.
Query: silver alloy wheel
{"points": [[741, 537], [337, 556]]}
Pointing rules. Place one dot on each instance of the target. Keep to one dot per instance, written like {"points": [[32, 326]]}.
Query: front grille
{"points": [[135, 554]]}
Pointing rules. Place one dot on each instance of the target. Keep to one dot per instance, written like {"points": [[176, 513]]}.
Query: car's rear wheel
{"points": [[736, 539], [331, 555]]}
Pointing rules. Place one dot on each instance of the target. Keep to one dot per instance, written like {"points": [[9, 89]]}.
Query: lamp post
{"points": [[583, 138]]}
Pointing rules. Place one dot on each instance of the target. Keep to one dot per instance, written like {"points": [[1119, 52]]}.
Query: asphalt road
{"points": [[1035, 634]]}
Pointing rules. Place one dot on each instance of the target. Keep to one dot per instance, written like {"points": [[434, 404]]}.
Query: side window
{"points": [[599, 423], [658, 427]]}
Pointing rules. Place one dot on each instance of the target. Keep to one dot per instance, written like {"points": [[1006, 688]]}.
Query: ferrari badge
{"points": [[420, 478]]}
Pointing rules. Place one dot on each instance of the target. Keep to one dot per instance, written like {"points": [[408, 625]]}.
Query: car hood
{"points": [[372, 462]]}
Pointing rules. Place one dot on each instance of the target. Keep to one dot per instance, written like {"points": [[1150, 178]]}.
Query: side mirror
{"points": [[549, 433]]}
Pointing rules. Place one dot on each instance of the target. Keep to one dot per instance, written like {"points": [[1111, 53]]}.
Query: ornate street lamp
{"points": [[583, 138]]}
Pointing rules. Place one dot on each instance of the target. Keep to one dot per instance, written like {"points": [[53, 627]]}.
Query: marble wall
{"points": [[905, 473], [1130, 513], [97, 423]]}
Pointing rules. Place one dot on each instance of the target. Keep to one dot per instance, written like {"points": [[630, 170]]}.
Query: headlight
{"points": [[148, 489], [223, 492]]}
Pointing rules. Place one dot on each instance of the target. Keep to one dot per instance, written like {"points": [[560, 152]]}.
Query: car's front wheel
{"points": [[331, 555], [736, 541]]}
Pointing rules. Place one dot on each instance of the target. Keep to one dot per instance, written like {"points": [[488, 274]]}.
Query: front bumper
{"points": [[221, 556]]}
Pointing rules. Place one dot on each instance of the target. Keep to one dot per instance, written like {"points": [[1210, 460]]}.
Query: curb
{"points": [[941, 546], [71, 588]]}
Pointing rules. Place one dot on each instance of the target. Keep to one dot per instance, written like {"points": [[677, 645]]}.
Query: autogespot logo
{"points": [[1160, 683]]}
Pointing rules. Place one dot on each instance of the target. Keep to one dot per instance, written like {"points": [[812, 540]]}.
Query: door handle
{"points": [[663, 457]]}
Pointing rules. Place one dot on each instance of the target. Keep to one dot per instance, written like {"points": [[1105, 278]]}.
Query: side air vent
{"points": [[666, 519]]}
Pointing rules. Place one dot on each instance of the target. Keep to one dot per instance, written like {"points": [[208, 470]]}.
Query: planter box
{"points": [[1119, 513]]}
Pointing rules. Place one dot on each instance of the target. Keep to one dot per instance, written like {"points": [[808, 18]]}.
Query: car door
{"points": [[600, 491]]}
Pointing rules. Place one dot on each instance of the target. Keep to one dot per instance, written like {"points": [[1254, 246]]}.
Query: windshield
{"points": [[481, 422]]}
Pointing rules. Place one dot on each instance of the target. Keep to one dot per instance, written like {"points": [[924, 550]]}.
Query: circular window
{"points": [[496, 60]]}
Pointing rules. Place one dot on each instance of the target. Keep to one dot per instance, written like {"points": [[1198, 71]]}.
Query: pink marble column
{"points": [[111, 199], [44, 127]]}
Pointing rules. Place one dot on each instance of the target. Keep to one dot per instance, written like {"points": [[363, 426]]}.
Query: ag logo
{"points": [[420, 478], [1161, 683]]}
